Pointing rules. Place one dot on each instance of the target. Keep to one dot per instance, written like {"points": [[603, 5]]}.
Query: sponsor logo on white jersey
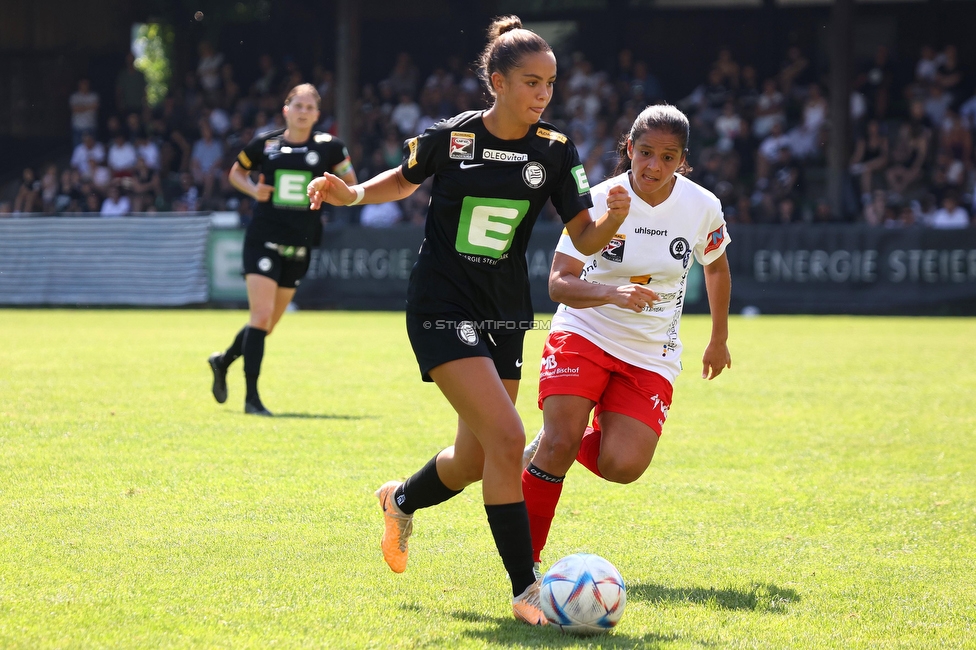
{"points": [[680, 250], [715, 239], [641, 230], [614, 250]]}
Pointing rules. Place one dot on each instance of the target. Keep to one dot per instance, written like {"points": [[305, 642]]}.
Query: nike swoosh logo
{"points": [[467, 165], [518, 364]]}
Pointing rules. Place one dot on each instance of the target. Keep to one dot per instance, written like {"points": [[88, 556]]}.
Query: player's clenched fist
{"points": [[263, 191], [618, 202]]}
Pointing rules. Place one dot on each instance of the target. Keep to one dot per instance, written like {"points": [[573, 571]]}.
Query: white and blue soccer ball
{"points": [[583, 594]]}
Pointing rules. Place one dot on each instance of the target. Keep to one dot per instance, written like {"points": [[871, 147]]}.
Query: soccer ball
{"points": [[583, 594]]}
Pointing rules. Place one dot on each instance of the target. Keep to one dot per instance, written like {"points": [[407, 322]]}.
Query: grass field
{"points": [[821, 494]]}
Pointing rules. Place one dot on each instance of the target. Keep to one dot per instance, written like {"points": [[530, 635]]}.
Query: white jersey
{"points": [[653, 247]]}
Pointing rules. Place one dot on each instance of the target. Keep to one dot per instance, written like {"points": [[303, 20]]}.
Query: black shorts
{"points": [[440, 338], [286, 265]]}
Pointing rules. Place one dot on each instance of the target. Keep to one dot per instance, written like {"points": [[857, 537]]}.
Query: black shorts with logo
{"points": [[286, 265], [439, 338]]}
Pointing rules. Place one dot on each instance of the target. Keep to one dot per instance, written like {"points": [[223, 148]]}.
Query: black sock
{"points": [[423, 490], [235, 350], [510, 527], [253, 354]]}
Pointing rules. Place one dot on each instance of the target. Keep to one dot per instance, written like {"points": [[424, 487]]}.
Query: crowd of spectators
{"points": [[762, 145], [758, 142]]}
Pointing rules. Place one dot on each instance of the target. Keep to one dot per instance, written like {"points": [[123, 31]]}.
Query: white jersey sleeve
{"points": [[566, 247], [714, 236]]}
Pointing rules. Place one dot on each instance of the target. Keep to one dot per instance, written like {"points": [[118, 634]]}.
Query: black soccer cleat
{"points": [[219, 388], [256, 408]]}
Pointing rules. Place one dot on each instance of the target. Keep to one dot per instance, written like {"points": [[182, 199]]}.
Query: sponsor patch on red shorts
{"points": [[573, 365]]}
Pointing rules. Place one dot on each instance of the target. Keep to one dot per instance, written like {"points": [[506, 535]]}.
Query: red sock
{"points": [[589, 451], [541, 497]]}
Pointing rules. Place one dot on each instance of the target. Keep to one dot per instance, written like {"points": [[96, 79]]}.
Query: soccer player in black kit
{"points": [[468, 299], [278, 241]]}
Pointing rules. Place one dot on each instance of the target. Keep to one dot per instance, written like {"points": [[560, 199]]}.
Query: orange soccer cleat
{"points": [[398, 527], [527, 606]]}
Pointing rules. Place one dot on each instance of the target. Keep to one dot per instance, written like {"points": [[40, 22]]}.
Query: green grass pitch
{"points": [[821, 494]]}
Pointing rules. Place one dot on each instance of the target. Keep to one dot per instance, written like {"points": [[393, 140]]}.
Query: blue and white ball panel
{"points": [[583, 594]]}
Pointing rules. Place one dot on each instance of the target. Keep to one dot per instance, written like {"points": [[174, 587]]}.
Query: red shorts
{"points": [[572, 365]]}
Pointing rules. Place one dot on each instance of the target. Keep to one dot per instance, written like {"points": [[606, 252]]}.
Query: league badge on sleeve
{"points": [[715, 239]]}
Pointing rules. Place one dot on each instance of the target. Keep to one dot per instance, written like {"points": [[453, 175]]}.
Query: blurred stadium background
{"points": [[838, 136]]}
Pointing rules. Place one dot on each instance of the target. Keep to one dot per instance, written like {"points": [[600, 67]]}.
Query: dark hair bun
{"points": [[503, 24]]}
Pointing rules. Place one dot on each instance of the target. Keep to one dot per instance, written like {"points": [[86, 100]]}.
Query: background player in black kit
{"points": [[468, 299], [279, 239]]}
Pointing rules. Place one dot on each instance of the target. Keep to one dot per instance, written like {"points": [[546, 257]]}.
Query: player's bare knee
{"points": [[510, 437], [559, 446], [261, 320], [507, 449], [623, 471], [272, 324]]}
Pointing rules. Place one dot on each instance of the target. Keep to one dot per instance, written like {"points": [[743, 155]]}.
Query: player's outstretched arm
{"points": [[566, 287], [718, 285], [382, 188], [589, 237]]}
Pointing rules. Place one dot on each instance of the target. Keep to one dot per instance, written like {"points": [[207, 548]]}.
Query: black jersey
{"points": [[289, 167], [486, 196]]}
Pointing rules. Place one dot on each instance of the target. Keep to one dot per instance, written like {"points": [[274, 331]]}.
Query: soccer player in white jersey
{"points": [[614, 349]]}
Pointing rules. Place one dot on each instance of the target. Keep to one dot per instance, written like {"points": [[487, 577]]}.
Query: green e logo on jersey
{"points": [[290, 188], [579, 175], [487, 226]]}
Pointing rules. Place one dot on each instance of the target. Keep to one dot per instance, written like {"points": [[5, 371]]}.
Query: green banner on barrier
{"points": [[225, 266], [368, 268]]}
